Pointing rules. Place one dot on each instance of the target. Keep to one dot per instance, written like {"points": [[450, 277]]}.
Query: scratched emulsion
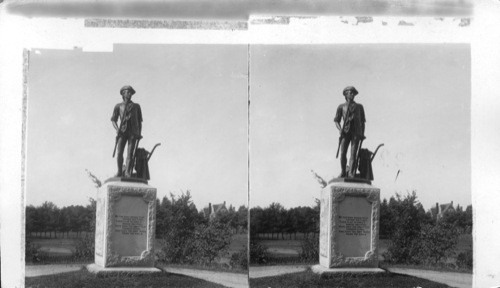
{"points": [[464, 22], [364, 19], [167, 24], [26, 57], [357, 20], [404, 23], [276, 20]]}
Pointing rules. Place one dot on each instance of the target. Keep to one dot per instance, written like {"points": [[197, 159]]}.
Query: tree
{"points": [[64, 220], [415, 237], [406, 230], [256, 225], [47, 215], [242, 218], [180, 220], [90, 214], [273, 217], [212, 240], [468, 219], [459, 218], [437, 242], [386, 217]]}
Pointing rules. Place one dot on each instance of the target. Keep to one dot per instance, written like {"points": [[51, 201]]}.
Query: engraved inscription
{"points": [[130, 225], [354, 223], [354, 226]]}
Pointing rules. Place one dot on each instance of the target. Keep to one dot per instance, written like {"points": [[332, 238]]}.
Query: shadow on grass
{"points": [[434, 268], [83, 278], [344, 280], [215, 267]]}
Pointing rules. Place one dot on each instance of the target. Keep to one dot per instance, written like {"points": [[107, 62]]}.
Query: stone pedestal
{"points": [[125, 226], [349, 225]]}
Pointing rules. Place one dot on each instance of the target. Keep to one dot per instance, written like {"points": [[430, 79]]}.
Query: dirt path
{"points": [[222, 278], [458, 280], [268, 271]]}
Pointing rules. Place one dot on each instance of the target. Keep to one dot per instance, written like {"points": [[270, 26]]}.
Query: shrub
{"points": [[202, 243], [211, 241], [464, 259], [85, 247], [437, 243], [310, 249], [416, 240], [175, 249], [240, 259], [405, 233], [31, 252], [178, 222], [258, 252]]}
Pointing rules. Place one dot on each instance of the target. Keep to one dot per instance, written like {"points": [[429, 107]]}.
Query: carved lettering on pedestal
{"points": [[130, 225], [354, 226]]}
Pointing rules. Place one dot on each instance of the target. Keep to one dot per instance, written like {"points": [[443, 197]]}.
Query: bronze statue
{"points": [[129, 130], [352, 131]]}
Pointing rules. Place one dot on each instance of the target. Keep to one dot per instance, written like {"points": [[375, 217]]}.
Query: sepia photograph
{"points": [[137, 163], [360, 163]]}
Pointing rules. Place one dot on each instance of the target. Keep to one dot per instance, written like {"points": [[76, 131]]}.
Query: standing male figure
{"points": [[352, 131], [129, 130]]}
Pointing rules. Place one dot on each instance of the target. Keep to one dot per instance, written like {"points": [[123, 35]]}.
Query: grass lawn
{"points": [[436, 268], [83, 278], [56, 246], [65, 247], [216, 267], [292, 248], [309, 279], [283, 248]]}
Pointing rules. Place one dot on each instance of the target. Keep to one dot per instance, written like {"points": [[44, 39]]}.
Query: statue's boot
{"points": [[120, 171]]}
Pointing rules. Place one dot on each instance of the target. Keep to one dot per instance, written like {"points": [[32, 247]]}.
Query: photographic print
{"points": [[273, 150], [359, 160], [137, 163]]}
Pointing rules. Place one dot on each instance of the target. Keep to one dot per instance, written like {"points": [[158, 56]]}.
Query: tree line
{"points": [[392, 210], [184, 234], [415, 236], [180, 210], [49, 221], [275, 222]]}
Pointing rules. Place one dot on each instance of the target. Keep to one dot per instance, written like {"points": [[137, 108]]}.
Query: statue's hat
{"points": [[350, 88], [127, 87]]}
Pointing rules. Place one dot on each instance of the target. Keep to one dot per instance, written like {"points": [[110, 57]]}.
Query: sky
{"points": [[193, 100], [416, 100]]}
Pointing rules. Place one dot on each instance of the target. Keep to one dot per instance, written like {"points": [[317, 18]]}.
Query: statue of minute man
{"points": [[352, 131]]}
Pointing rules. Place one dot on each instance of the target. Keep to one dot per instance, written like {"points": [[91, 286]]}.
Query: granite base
{"points": [[122, 271], [323, 271]]}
